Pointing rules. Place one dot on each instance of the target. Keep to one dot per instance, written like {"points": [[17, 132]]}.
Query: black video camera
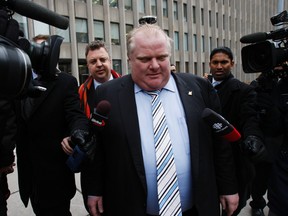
{"points": [[267, 56], [18, 55]]}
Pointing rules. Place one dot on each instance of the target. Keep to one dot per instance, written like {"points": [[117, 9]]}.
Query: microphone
{"points": [[37, 12], [221, 127], [99, 117], [84, 149], [262, 36]]}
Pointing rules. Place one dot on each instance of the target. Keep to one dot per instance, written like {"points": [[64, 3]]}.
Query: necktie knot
{"points": [[153, 93]]}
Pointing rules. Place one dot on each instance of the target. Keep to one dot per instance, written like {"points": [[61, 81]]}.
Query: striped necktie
{"points": [[167, 183]]}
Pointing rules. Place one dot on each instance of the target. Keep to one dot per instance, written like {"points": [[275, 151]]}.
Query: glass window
{"points": [[64, 33], [83, 71], [113, 3], [202, 16], [22, 23], [64, 65], [97, 2], [194, 14], [210, 44], [99, 30], [81, 31], [185, 12], [84, 1], [175, 10], [128, 4], [176, 40], [128, 28], [186, 41], [216, 19], [210, 20], [154, 7], [115, 35], [195, 68], [40, 28], [141, 6], [116, 65], [186, 67], [223, 22], [194, 42], [165, 8], [203, 43]]}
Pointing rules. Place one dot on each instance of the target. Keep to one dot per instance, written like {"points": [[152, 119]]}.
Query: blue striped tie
{"points": [[167, 183]]}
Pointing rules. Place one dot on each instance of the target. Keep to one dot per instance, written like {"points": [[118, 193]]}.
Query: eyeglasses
{"points": [[148, 20]]}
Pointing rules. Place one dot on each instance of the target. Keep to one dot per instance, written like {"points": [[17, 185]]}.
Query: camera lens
{"points": [[15, 70]]}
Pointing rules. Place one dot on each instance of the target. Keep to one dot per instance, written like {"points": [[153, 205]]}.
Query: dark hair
{"points": [[223, 49], [95, 45]]}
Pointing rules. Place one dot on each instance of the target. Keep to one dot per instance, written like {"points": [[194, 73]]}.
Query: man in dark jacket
{"points": [[7, 145], [238, 107], [43, 122]]}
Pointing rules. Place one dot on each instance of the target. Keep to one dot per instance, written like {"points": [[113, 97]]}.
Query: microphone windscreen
{"points": [[38, 12], [254, 38], [103, 108]]}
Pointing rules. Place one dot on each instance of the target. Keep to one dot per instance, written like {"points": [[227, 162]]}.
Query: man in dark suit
{"points": [[123, 176], [238, 107], [43, 122]]}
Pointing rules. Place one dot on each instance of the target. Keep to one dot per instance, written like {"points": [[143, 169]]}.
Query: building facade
{"points": [[196, 27]]}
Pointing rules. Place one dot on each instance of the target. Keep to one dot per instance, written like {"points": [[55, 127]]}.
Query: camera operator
{"points": [[268, 103], [278, 182], [238, 107], [7, 145], [43, 122]]}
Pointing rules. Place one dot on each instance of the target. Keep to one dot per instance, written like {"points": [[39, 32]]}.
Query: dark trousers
{"points": [[259, 185], [61, 209], [4, 194]]}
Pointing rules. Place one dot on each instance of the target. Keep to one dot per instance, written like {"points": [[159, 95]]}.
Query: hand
{"points": [[7, 169], [79, 137], [95, 205], [254, 148], [229, 203], [66, 145]]}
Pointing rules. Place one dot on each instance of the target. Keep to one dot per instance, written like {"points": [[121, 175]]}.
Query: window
{"points": [[186, 42], [64, 65], [81, 31], [22, 23], [223, 22], [175, 10], [186, 67], [128, 28], [83, 71], [194, 14], [116, 65], [99, 30], [210, 44], [64, 33], [210, 20], [165, 8], [41, 28], [154, 7], [141, 6], [202, 16], [128, 4], [203, 43], [113, 3], [216, 20], [115, 36], [185, 12], [194, 42], [195, 68], [84, 1], [97, 2], [176, 40]]}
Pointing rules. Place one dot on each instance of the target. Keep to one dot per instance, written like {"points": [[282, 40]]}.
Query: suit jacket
{"points": [[118, 171], [42, 170], [238, 101]]}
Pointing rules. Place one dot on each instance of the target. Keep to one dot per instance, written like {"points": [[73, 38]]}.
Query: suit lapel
{"points": [[128, 113], [188, 95]]}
